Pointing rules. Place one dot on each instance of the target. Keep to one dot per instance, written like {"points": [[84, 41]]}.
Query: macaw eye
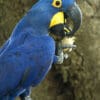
{"points": [[57, 3]]}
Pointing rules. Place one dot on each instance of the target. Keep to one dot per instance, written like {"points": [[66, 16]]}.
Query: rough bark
{"points": [[79, 77]]}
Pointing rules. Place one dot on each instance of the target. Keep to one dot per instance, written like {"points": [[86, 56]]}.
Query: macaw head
{"points": [[52, 15]]}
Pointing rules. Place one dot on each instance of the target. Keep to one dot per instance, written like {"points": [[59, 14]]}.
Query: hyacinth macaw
{"points": [[28, 54]]}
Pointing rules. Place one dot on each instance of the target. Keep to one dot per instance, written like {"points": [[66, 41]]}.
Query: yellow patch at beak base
{"points": [[58, 18]]}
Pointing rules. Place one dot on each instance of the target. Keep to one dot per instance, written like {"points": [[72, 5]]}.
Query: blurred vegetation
{"points": [[79, 77]]}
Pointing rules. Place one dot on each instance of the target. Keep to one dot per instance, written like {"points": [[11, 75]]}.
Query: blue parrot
{"points": [[28, 54]]}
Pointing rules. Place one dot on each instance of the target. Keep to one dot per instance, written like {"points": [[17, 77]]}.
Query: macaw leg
{"points": [[59, 57], [26, 95]]}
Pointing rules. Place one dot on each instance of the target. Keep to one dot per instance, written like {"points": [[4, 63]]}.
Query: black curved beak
{"points": [[74, 13]]}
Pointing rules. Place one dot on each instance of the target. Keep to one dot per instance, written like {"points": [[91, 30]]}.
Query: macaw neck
{"points": [[35, 26], [37, 19]]}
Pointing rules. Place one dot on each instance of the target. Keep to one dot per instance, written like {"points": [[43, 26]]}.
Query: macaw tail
{"points": [[7, 98]]}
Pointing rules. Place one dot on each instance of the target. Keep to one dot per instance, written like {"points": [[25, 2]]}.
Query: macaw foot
{"points": [[26, 98], [61, 57], [26, 95]]}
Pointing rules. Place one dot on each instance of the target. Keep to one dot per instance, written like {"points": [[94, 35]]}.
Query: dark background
{"points": [[79, 77]]}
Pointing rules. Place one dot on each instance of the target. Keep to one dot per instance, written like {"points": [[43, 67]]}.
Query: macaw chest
{"points": [[41, 54], [42, 50]]}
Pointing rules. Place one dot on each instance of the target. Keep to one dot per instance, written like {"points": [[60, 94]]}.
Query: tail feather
{"points": [[7, 98]]}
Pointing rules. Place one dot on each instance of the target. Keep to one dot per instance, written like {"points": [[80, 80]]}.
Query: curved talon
{"points": [[66, 56]]}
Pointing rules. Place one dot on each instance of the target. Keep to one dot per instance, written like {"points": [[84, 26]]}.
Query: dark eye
{"points": [[57, 3]]}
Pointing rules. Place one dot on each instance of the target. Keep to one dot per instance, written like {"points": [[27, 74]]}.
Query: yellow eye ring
{"points": [[57, 3]]}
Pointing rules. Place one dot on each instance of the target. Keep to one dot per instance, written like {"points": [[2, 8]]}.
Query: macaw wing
{"points": [[22, 53], [13, 63]]}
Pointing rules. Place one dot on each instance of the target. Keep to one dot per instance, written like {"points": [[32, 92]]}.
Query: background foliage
{"points": [[79, 77]]}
